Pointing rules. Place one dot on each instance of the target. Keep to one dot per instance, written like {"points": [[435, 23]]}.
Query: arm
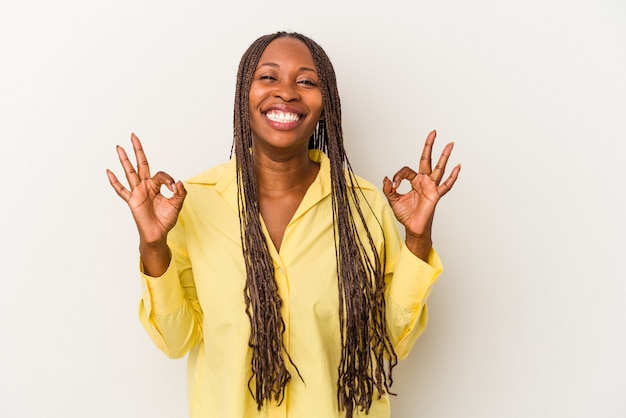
{"points": [[169, 309], [415, 266], [408, 283]]}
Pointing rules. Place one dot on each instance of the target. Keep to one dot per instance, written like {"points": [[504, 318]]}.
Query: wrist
{"points": [[155, 258], [419, 245], [153, 247]]}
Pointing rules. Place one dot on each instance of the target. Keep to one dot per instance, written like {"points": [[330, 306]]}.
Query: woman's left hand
{"points": [[416, 208]]}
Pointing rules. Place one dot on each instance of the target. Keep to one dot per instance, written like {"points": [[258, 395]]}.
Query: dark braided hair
{"points": [[365, 344]]}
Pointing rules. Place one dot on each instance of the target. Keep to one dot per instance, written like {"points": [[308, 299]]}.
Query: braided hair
{"points": [[365, 344]]}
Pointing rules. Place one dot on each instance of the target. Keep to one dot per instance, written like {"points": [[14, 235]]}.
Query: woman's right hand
{"points": [[155, 214]]}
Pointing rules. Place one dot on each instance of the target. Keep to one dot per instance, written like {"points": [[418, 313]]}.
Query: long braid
{"points": [[361, 280], [365, 344]]}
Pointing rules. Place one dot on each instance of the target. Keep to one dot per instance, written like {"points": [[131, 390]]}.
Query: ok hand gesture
{"points": [[154, 214], [416, 208]]}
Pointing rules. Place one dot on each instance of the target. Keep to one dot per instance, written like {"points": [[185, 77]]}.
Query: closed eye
{"points": [[310, 83]]}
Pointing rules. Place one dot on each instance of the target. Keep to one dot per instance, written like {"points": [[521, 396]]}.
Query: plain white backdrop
{"points": [[528, 317]]}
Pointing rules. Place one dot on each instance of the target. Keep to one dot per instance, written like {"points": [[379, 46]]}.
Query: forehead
{"points": [[287, 51]]}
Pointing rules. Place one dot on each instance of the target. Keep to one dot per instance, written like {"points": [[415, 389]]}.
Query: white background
{"points": [[528, 318]]}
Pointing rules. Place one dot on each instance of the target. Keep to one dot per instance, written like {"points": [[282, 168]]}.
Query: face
{"points": [[285, 99]]}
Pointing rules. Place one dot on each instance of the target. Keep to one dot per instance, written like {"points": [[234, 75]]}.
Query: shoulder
{"points": [[212, 189], [367, 189], [353, 181], [213, 175]]}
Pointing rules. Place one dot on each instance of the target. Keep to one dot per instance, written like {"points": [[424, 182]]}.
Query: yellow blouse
{"points": [[197, 307]]}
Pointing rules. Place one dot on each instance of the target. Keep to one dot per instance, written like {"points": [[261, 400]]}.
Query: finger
{"points": [[143, 168], [425, 160], [447, 185], [388, 188], [162, 178], [179, 194], [129, 170], [405, 173], [390, 191], [440, 168], [117, 186]]}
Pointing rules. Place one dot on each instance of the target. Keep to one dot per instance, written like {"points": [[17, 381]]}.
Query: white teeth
{"points": [[282, 117]]}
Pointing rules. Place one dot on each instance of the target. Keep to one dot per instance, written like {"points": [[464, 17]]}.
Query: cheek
{"points": [[256, 94], [254, 103], [253, 98], [318, 105]]}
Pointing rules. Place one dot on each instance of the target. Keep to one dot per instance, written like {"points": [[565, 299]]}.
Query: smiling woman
{"points": [[281, 273]]}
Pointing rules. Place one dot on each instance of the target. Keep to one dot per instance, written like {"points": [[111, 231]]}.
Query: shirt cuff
{"points": [[414, 278], [164, 294]]}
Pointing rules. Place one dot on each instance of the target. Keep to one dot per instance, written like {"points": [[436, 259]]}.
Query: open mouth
{"points": [[282, 117]]}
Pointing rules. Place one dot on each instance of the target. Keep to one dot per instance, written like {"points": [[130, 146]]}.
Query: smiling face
{"points": [[285, 99]]}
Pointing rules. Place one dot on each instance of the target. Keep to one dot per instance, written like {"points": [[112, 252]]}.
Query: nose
{"points": [[287, 91]]}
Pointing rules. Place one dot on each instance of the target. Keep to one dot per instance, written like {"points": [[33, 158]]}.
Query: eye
{"points": [[308, 83], [267, 77]]}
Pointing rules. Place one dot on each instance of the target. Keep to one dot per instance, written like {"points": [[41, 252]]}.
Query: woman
{"points": [[283, 275]]}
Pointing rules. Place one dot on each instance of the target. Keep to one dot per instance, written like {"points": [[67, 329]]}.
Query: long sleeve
{"points": [[406, 295], [169, 309]]}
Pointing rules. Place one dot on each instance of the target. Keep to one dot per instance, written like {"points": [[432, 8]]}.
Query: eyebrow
{"points": [[273, 65]]}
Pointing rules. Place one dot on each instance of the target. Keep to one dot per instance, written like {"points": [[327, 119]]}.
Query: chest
{"points": [[305, 263], [277, 213]]}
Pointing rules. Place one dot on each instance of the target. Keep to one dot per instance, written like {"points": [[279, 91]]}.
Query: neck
{"points": [[281, 174]]}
